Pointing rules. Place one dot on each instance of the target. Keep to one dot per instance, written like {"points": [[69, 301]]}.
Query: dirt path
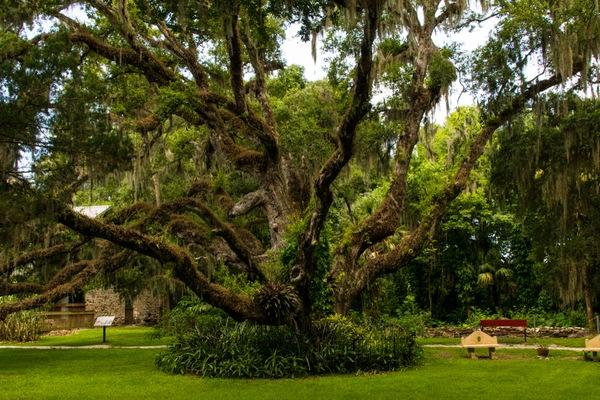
{"points": [[91, 347]]}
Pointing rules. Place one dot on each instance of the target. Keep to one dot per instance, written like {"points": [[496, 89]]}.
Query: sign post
{"points": [[104, 321]]}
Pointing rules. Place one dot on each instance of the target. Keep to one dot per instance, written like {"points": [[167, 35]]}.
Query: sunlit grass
{"points": [[145, 336], [444, 374]]}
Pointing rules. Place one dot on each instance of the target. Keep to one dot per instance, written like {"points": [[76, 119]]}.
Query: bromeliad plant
{"points": [[280, 302]]}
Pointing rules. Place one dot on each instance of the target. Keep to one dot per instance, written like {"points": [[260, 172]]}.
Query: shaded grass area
{"points": [[445, 373], [115, 336]]}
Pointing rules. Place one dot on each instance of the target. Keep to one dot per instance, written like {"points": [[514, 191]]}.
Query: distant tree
{"points": [[548, 165], [478, 255]]}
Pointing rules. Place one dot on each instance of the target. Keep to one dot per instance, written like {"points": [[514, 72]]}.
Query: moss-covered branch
{"points": [[184, 267]]}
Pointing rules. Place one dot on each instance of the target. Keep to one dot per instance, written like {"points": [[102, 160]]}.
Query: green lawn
{"points": [[445, 374], [115, 336], [144, 336]]}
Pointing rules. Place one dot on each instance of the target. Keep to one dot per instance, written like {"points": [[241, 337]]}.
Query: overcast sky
{"points": [[298, 52]]}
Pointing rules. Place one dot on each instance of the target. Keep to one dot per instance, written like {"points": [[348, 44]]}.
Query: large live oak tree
{"points": [[207, 65]]}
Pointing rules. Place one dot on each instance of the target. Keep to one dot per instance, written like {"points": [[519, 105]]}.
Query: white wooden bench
{"points": [[477, 340]]}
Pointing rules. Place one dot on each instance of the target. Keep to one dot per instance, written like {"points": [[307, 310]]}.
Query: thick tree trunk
{"points": [[274, 198], [156, 187], [278, 206], [8, 157], [128, 310], [589, 308], [346, 132], [384, 221]]}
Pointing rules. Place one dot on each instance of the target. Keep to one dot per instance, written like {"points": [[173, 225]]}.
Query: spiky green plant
{"points": [[280, 302], [23, 326]]}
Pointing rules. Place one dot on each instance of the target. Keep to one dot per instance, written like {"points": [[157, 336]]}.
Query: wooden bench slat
{"points": [[497, 323], [520, 323]]}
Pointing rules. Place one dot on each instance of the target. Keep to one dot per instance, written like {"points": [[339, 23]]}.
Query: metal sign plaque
{"points": [[104, 320]]}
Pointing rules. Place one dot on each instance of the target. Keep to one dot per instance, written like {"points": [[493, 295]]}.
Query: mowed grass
{"points": [[444, 374], [115, 336], [145, 336]]}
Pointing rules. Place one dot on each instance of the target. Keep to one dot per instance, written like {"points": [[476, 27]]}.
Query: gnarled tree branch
{"points": [[248, 202], [40, 254], [91, 269], [349, 286], [184, 267]]}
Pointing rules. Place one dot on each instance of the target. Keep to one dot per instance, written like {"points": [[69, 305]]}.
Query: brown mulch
{"points": [[61, 332]]}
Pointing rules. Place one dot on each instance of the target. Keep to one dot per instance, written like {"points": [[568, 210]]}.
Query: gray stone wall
{"points": [[542, 331], [146, 307]]}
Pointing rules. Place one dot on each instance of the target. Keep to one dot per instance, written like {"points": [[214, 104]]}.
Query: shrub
{"points": [[557, 319], [534, 317], [341, 346], [410, 316], [220, 347], [185, 316], [23, 326]]}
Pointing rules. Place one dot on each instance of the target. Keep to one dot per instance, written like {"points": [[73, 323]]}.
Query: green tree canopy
{"points": [[218, 156]]}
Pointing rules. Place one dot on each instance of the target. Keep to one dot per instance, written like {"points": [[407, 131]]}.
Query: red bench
{"points": [[497, 323]]}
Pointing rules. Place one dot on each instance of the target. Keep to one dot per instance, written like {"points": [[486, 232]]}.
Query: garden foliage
{"points": [[23, 326], [217, 346]]}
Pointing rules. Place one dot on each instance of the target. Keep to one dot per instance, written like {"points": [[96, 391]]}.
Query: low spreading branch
{"points": [[184, 267], [40, 254], [91, 269], [7, 289]]}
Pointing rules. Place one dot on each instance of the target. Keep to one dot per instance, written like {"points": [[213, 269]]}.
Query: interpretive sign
{"points": [[104, 321]]}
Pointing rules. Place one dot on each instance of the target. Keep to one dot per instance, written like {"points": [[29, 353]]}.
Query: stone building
{"points": [[80, 310], [145, 309]]}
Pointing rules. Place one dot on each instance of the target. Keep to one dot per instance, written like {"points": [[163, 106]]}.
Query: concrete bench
{"points": [[592, 346], [478, 340]]}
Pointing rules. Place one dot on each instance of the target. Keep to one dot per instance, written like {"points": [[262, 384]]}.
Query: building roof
{"points": [[91, 211]]}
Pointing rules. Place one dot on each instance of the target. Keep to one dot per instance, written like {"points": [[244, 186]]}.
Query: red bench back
{"points": [[503, 322]]}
